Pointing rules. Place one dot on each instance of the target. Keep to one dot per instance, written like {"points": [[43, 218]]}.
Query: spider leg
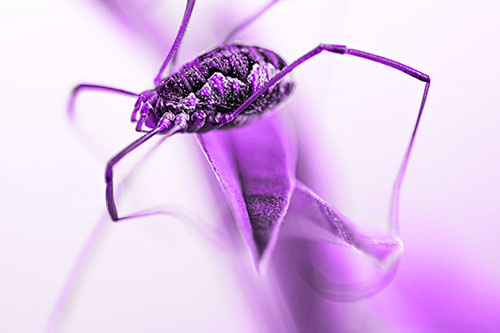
{"points": [[177, 42], [169, 123], [88, 86], [231, 34], [341, 49], [173, 63], [247, 22]]}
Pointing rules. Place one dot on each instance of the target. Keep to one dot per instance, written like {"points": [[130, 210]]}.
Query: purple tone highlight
{"points": [[87, 86]]}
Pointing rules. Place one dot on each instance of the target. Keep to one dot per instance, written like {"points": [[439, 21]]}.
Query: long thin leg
{"points": [[89, 245], [340, 49], [232, 33], [89, 86], [173, 63], [394, 206], [164, 124], [248, 21], [177, 41]]}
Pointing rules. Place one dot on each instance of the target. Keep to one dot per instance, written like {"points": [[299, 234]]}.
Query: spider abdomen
{"points": [[219, 81]]}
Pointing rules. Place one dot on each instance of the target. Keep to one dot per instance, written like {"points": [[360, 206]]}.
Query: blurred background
{"points": [[352, 119]]}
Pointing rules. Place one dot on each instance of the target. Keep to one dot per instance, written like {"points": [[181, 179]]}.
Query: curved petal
{"points": [[255, 166], [314, 219], [311, 224]]}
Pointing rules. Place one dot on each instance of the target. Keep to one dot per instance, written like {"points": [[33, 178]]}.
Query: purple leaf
{"points": [[312, 218], [255, 166], [314, 224]]}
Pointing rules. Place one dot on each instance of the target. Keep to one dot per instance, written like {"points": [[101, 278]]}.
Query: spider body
{"points": [[226, 87], [209, 88]]}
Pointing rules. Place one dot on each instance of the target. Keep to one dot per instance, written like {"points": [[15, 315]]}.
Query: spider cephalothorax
{"points": [[209, 88]]}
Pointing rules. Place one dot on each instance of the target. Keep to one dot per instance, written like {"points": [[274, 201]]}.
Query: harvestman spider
{"points": [[228, 86]]}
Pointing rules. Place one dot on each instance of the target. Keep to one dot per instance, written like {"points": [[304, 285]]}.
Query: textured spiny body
{"points": [[213, 85], [228, 86]]}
